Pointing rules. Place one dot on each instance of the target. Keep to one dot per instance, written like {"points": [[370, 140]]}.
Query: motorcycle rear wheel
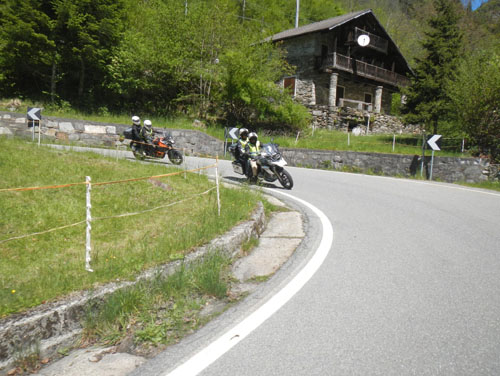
{"points": [[175, 156], [285, 179]]}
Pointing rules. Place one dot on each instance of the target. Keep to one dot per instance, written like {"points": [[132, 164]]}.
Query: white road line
{"points": [[220, 346]]}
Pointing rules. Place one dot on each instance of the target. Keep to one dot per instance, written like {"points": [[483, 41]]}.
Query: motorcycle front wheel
{"points": [[285, 179], [175, 156]]}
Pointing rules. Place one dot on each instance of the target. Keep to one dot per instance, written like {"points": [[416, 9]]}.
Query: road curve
{"points": [[410, 286]]}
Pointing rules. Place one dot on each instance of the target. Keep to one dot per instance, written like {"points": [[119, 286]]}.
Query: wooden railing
{"points": [[337, 61]]}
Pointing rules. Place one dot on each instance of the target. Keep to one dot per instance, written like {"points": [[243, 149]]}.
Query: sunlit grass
{"points": [[43, 267]]}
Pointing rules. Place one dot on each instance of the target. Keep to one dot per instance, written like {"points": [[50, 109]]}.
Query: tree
{"points": [[87, 33], [427, 99], [250, 94], [477, 109], [28, 47]]}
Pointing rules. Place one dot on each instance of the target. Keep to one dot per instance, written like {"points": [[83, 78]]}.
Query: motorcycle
{"points": [[162, 145], [270, 166]]}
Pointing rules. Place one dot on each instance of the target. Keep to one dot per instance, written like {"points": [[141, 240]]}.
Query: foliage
{"points": [[427, 98], [478, 107], [58, 48], [252, 98]]}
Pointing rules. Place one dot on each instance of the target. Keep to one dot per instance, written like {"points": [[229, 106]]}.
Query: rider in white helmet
{"points": [[252, 149], [136, 128], [147, 131]]}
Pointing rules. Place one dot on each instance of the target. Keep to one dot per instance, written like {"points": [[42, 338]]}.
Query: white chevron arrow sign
{"points": [[34, 113], [432, 142]]}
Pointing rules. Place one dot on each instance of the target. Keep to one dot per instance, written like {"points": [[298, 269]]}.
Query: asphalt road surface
{"points": [[410, 285]]}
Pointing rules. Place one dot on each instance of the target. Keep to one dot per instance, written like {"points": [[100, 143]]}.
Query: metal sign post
{"points": [[34, 115]]}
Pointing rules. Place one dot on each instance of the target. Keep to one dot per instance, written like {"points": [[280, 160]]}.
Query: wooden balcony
{"points": [[345, 63]]}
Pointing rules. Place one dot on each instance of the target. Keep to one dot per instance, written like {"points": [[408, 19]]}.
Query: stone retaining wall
{"points": [[445, 168], [58, 324], [88, 133], [198, 143]]}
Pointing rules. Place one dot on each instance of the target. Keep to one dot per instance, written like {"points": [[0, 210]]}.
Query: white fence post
{"points": [[393, 142], [89, 226], [217, 182]]}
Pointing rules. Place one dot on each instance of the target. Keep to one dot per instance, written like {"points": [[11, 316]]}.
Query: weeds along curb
{"points": [[46, 329]]}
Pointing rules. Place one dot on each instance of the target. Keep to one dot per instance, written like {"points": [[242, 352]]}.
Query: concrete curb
{"points": [[58, 324]]}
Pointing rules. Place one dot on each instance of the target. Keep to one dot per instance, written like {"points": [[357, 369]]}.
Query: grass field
{"points": [[43, 267]]}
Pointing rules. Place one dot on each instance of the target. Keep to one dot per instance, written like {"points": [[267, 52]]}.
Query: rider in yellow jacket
{"points": [[252, 149]]}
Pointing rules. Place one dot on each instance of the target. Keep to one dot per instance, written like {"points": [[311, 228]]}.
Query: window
{"points": [[368, 98], [289, 83]]}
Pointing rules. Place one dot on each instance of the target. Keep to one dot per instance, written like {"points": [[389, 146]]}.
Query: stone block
{"points": [[66, 127], [110, 129], [51, 124], [50, 132], [6, 116], [74, 136], [62, 136], [20, 120], [5, 131], [95, 129]]}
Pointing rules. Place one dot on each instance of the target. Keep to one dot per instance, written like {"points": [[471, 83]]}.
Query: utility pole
{"points": [[297, 14]]}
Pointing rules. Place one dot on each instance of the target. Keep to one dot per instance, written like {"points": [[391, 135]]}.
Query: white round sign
{"points": [[363, 40]]}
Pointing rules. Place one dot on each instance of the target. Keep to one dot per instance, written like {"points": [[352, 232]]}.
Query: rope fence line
{"points": [[109, 217], [89, 219], [41, 232], [103, 183]]}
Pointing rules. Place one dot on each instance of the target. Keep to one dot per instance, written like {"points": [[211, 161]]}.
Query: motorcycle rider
{"points": [[252, 150], [240, 148], [147, 133], [136, 129]]}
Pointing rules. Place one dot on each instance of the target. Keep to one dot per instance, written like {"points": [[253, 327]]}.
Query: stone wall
{"points": [[88, 133], [198, 143], [445, 168], [344, 118]]}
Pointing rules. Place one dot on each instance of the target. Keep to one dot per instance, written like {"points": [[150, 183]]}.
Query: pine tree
{"points": [[427, 99]]}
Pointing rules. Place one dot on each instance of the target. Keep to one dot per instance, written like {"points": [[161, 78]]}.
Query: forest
{"points": [[207, 59]]}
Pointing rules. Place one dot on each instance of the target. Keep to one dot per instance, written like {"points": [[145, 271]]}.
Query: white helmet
{"points": [[147, 124], [136, 120], [243, 131], [253, 135]]}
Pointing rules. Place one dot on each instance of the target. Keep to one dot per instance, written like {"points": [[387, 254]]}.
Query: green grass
{"points": [[493, 185], [163, 310], [44, 267]]}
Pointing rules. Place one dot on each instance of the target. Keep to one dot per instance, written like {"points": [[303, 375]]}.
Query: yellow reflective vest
{"points": [[254, 149]]}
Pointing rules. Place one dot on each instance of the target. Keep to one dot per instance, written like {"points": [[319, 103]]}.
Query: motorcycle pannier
{"points": [[127, 133]]}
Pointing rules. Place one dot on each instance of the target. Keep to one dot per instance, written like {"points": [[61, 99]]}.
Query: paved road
{"points": [[410, 286]]}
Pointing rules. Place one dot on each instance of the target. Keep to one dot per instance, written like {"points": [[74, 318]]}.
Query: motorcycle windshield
{"points": [[269, 149]]}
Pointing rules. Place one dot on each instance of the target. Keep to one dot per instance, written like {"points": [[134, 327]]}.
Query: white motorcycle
{"points": [[270, 166]]}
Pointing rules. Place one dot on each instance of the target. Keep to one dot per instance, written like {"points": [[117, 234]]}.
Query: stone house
{"points": [[345, 61]]}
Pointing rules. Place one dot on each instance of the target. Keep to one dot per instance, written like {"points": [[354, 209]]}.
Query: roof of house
{"points": [[328, 24]]}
